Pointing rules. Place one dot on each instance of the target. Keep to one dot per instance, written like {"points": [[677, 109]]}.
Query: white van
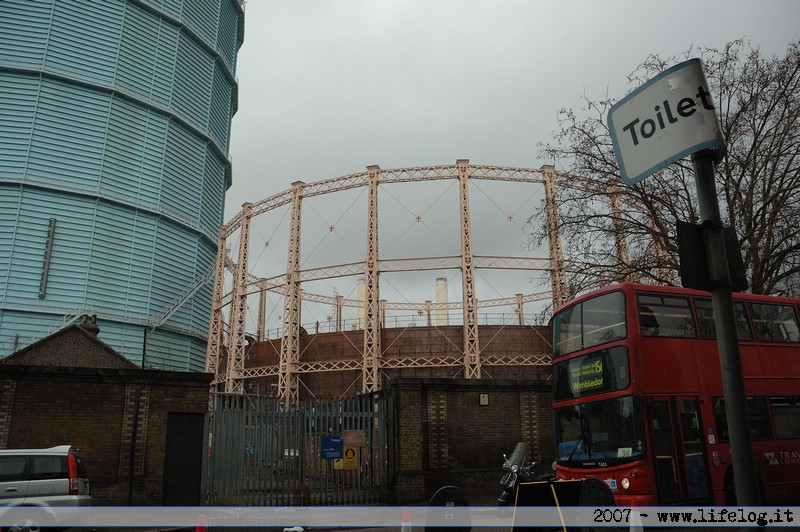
{"points": [[44, 478]]}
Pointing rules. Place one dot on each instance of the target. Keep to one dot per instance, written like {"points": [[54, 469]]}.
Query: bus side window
{"points": [[760, 425], [705, 319], [742, 325], [774, 323], [786, 415], [648, 321], [669, 316]]}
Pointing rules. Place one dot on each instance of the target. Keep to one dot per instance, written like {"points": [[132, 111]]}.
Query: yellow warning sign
{"points": [[350, 460]]}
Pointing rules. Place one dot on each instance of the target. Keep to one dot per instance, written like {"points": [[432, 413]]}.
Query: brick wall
{"points": [[396, 343], [116, 417], [455, 431]]}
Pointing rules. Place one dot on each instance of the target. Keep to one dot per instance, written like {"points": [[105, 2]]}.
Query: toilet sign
{"points": [[666, 119]]}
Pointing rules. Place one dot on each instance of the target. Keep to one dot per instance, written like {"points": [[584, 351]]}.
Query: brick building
{"points": [[140, 432]]}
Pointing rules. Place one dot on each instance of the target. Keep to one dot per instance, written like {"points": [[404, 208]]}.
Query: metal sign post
{"points": [[744, 468], [668, 118]]}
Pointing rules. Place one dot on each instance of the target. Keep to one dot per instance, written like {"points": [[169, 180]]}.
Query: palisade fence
{"points": [[262, 454]]}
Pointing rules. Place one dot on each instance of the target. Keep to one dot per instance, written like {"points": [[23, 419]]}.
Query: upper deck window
{"points": [[590, 323], [705, 318], [774, 323], [669, 316]]}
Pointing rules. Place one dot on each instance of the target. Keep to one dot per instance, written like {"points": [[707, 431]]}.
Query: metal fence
{"points": [[262, 454]]}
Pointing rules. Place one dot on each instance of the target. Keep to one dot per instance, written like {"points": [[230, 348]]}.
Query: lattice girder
{"points": [[288, 286]]}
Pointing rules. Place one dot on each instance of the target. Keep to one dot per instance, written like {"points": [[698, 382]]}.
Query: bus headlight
{"points": [[625, 483]]}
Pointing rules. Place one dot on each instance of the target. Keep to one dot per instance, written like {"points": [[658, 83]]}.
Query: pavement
{"points": [[487, 502]]}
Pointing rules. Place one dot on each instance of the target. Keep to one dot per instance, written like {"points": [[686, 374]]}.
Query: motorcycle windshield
{"points": [[518, 456]]}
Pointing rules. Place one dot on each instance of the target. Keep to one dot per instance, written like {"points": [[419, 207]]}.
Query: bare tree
{"points": [[614, 232]]}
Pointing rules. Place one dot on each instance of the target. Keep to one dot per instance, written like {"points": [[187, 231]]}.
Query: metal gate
{"points": [[261, 454]]}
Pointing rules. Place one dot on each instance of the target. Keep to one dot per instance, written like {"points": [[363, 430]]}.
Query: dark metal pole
{"points": [[744, 468]]}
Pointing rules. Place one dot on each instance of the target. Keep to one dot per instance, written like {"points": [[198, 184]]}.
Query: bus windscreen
{"points": [[600, 431]]}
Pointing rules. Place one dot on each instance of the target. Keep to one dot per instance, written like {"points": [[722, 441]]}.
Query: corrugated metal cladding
{"points": [[114, 123]]}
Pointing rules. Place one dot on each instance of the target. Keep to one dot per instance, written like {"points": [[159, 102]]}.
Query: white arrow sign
{"points": [[664, 120]]}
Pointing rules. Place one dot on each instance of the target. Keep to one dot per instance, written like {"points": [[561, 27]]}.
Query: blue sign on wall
{"points": [[332, 447]]}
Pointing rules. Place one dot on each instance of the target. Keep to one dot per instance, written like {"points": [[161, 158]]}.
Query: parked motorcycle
{"points": [[519, 469]]}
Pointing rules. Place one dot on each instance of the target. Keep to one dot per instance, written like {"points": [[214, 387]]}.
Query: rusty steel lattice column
{"points": [[472, 354], [559, 283], [370, 367], [290, 344], [262, 311], [238, 318], [338, 313], [216, 326], [620, 245], [661, 254]]}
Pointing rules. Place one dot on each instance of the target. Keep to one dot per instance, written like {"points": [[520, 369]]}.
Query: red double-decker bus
{"points": [[638, 395]]}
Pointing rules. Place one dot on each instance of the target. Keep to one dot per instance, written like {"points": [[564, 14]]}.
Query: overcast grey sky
{"points": [[329, 87]]}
